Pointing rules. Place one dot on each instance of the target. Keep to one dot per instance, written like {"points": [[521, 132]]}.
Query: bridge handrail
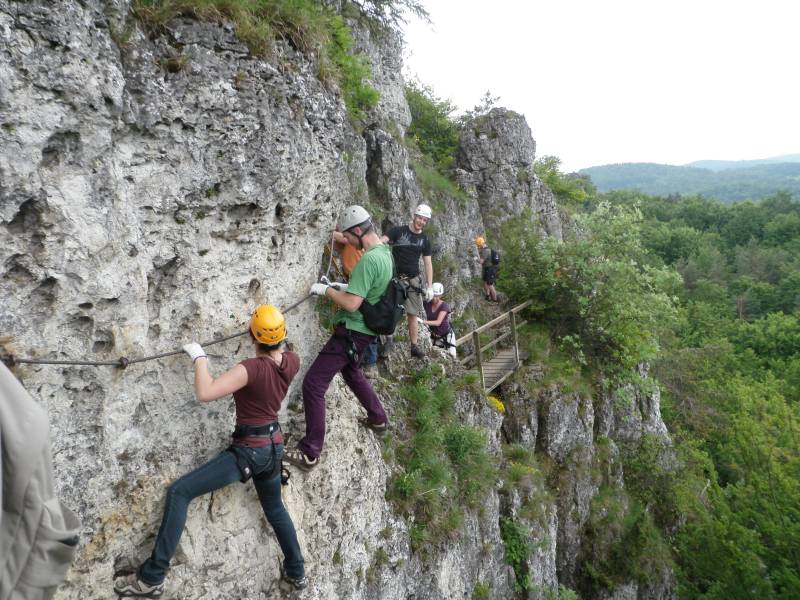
{"points": [[496, 321]]}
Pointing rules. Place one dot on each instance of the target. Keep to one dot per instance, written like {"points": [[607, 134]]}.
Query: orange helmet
{"points": [[268, 325], [479, 241]]}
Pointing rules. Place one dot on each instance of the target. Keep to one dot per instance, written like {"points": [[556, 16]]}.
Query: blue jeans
{"points": [[371, 354], [216, 474]]}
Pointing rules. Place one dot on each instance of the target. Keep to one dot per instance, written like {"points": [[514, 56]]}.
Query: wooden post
{"points": [[476, 340], [513, 318]]}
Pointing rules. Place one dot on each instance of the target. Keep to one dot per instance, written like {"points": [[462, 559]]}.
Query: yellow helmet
{"points": [[479, 241], [268, 325]]}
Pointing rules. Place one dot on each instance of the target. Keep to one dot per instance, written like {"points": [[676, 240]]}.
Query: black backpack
{"points": [[495, 257], [383, 316]]}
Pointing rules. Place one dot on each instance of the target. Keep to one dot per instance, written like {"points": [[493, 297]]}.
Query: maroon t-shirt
{"points": [[259, 401]]}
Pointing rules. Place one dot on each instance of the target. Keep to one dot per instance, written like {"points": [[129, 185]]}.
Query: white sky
{"points": [[606, 81]]}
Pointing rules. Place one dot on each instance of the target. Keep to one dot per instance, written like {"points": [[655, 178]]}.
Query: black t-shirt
{"points": [[407, 247]]}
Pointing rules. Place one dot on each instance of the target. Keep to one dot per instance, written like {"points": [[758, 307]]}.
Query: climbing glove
{"points": [[195, 351], [428, 294], [342, 287], [319, 288]]}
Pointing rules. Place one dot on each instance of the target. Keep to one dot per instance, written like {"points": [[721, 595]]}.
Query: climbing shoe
{"points": [[131, 585], [416, 352], [299, 459], [298, 583], [379, 428]]}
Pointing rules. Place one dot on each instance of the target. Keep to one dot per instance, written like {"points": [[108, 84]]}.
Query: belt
{"points": [[243, 431]]}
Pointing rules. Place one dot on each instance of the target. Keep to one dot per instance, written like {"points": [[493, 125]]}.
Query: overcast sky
{"points": [[623, 80]]}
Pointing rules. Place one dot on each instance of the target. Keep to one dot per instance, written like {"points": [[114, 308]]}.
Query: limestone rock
{"points": [[495, 167], [153, 189]]}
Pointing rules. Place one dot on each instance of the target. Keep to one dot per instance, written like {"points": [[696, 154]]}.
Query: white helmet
{"points": [[438, 289], [423, 210], [352, 216]]}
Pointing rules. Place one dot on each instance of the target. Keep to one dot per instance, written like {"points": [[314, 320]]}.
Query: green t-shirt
{"points": [[369, 280]]}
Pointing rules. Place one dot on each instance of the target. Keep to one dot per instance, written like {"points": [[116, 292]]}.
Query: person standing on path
{"points": [[488, 271], [341, 354], [409, 243]]}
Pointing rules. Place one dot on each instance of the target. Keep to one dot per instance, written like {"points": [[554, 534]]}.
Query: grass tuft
{"points": [[445, 466], [307, 25]]}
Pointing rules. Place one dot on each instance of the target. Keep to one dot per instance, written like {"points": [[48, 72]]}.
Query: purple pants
{"points": [[333, 359]]}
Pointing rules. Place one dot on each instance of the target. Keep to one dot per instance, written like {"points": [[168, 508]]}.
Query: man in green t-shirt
{"points": [[368, 282]]}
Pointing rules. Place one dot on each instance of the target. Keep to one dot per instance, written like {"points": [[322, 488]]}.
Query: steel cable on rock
{"points": [[124, 362]]}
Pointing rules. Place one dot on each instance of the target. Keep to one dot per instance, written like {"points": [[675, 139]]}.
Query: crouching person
{"points": [[437, 311], [258, 386]]}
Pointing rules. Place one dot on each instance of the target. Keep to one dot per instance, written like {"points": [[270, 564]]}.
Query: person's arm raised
{"points": [[206, 388]]}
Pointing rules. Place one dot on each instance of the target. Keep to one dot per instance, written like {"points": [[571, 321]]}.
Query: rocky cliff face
{"points": [[152, 191]]}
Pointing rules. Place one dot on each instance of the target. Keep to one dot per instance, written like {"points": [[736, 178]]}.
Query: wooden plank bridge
{"points": [[495, 364]]}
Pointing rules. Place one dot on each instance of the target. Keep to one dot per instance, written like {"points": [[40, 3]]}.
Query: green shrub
{"points": [[555, 361], [516, 539], [605, 304], [561, 593], [437, 187], [432, 129], [570, 190], [623, 543], [351, 70], [481, 591]]}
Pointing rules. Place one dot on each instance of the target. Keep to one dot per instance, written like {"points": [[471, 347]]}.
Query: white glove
{"points": [[428, 294], [319, 288], [195, 351], [342, 287]]}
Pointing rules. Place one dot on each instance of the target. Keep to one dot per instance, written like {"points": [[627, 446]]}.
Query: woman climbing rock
{"points": [[258, 386]]}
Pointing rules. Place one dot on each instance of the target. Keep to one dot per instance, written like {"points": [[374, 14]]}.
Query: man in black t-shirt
{"points": [[408, 244]]}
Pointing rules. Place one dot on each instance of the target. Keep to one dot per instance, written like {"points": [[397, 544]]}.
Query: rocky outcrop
{"points": [[153, 189], [494, 165], [576, 439]]}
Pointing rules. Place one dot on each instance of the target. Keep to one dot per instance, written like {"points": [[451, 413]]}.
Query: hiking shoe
{"points": [[379, 428], [131, 585], [299, 459], [416, 352], [298, 583]]}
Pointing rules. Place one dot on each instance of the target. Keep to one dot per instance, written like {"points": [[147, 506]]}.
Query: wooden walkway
{"points": [[495, 369], [499, 368]]}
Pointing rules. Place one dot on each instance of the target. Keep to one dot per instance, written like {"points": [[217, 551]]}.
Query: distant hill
{"points": [[728, 181], [724, 165]]}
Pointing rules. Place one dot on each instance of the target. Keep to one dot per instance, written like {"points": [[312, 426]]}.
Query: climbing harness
{"points": [[406, 279], [243, 460], [350, 347]]}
